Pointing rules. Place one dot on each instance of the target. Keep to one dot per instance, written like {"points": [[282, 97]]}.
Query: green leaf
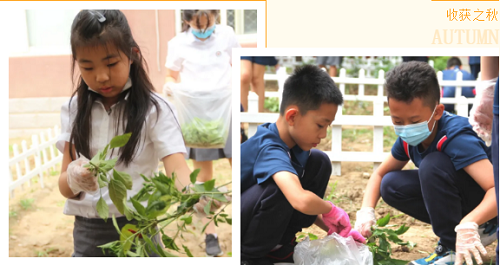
{"points": [[169, 242], [186, 249], [124, 178], [102, 180], [209, 185], [402, 229], [229, 220], [384, 221], [128, 232], [115, 224], [117, 192], [138, 207], [120, 140], [187, 219], [146, 179], [164, 189], [104, 152], [312, 236], [102, 209], [129, 213], [96, 159], [206, 209], [108, 164], [193, 175], [151, 244], [155, 208]]}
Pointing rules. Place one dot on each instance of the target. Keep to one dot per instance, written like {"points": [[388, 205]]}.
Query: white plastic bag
{"points": [[204, 116], [332, 250]]}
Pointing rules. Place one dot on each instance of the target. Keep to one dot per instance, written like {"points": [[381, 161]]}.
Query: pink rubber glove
{"points": [[481, 114], [468, 242], [338, 221], [357, 236]]}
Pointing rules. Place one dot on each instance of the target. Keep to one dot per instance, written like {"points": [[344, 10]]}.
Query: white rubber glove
{"points": [[468, 241], [365, 218], [80, 178], [167, 89], [481, 114]]}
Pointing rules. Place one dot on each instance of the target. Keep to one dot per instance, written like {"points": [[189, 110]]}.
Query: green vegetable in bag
{"points": [[202, 133]]}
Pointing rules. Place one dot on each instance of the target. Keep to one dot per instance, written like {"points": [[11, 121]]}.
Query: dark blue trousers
{"points": [[494, 156], [268, 219], [436, 193]]}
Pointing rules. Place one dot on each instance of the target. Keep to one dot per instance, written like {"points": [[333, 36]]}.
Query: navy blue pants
{"points": [[268, 219], [494, 156], [436, 194]]}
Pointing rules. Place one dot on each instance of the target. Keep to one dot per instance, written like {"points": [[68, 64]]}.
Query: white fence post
{"points": [[18, 168], [378, 112], [462, 107], [282, 76], [38, 162], [26, 162], [253, 107], [361, 87]]}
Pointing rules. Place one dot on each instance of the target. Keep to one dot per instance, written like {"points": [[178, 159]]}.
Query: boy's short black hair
{"points": [[411, 80], [453, 61], [309, 87]]}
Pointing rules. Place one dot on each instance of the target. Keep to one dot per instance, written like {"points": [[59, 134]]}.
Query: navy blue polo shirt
{"points": [[462, 144], [451, 74], [265, 154]]}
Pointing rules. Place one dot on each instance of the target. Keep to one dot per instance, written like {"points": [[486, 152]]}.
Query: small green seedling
{"points": [[379, 245]]}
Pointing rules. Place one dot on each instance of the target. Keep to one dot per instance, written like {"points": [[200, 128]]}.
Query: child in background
{"points": [[333, 62], [252, 73], [452, 189], [454, 65], [283, 181], [114, 96], [200, 57]]}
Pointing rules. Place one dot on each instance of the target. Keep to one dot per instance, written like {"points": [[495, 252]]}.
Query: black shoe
{"points": [[212, 246]]}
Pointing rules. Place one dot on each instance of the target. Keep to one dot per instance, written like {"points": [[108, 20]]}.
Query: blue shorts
{"points": [[270, 60]]}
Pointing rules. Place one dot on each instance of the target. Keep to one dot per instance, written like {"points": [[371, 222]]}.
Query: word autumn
{"points": [[465, 36], [466, 14]]}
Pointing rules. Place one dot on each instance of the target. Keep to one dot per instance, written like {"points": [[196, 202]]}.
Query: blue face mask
{"points": [[414, 134], [203, 35]]}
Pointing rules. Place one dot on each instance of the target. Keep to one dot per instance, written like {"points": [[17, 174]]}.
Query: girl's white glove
{"points": [[481, 114], [365, 218], [468, 241], [80, 178]]}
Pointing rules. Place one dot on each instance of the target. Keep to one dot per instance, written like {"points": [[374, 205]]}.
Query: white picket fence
{"points": [[377, 120], [41, 152]]}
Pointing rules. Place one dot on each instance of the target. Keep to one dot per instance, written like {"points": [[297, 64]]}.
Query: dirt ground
{"points": [[37, 226]]}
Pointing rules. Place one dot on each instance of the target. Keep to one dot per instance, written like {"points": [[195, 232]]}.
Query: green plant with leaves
{"points": [[27, 203], [379, 242], [272, 104], [118, 182], [148, 208], [203, 133]]}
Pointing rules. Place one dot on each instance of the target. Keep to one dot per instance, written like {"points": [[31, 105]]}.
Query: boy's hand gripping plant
{"points": [[160, 192], [379, 245]]}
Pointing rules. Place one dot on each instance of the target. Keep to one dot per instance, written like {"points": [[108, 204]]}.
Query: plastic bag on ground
{"points": [[332, 250], [204, 116]]}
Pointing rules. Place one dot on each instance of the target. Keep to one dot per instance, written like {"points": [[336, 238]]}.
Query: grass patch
{"points": [[389, 138], [27, 203], [357, 107]]}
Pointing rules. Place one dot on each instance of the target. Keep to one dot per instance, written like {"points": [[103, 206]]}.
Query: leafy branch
{"points": [[379, 245], [147, 209]]}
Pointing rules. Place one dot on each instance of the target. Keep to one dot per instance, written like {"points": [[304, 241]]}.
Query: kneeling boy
{"points": [[283, 181]]}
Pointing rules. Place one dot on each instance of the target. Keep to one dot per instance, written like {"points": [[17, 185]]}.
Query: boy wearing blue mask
{"points": [[453, 187]]}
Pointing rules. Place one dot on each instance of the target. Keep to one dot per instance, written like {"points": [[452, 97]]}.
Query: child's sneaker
{"points": [[442, 255], [487, 232], [212, 246]]}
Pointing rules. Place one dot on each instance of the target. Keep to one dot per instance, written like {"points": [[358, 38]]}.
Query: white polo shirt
{"points": [[203, 65], [160, 138]]}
